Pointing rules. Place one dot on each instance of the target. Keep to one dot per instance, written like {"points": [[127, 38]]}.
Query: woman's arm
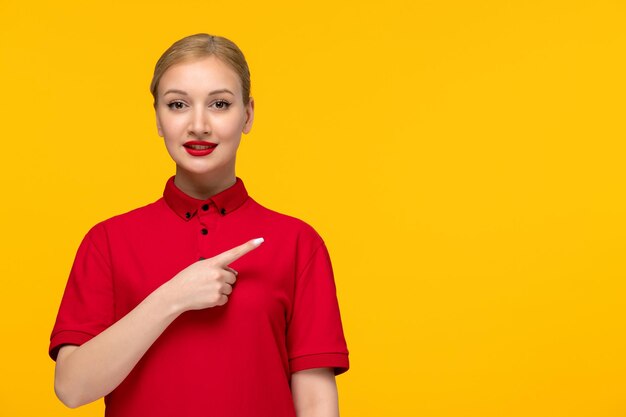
{"points": [[314, 393], [90, 371]]}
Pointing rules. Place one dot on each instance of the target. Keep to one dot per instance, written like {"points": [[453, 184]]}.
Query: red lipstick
{"points": [[199, 148]]}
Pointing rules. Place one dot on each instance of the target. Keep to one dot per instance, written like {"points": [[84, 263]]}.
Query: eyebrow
{"points": [[223, 90]]}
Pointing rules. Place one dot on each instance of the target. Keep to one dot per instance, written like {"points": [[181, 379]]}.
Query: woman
{"points": [[203, 303]]}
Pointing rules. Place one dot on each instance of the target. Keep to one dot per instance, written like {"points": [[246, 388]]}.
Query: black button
{"points": [[202, 258], [187, 215], [205, 207], [204, 231], [223, 211]]}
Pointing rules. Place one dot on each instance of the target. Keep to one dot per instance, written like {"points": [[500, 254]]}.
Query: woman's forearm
{"points": [[94, 369], [88, 372], [314, 393]]}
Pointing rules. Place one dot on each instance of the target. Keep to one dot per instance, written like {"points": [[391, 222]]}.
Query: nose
{"points": [[199, 124]]}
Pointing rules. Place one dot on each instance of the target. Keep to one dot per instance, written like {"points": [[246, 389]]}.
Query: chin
{"points": [[202, 169]]}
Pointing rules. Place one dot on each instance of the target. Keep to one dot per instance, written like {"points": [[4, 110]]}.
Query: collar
{"points": [[186, 206]]}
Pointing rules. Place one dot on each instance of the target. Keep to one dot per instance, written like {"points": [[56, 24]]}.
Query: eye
{"points": [[176, 105], [221, 104]]}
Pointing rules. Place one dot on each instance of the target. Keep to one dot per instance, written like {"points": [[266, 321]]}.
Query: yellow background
{"points": [[464, 161]]}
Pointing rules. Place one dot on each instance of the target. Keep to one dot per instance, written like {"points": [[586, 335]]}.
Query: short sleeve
{"points": [[87, 305], [315, 336]]}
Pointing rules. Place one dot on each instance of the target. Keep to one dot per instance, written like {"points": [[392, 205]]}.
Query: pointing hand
{"points": [[209, 282]]}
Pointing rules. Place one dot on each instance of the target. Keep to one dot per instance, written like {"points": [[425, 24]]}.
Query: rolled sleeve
{"points": [[315, 337], [87, 305]]}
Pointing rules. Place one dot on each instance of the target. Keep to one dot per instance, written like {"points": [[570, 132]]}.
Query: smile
{"points": [[199, 145], [199, 148]]}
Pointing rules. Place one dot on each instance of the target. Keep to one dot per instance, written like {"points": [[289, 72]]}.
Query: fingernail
{"points": [[258, 241]]}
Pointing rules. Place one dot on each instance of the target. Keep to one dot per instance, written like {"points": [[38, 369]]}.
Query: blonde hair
{"points": [[202, 45]]}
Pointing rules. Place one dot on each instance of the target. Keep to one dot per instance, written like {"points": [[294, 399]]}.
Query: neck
{"points": [[203, 186]]}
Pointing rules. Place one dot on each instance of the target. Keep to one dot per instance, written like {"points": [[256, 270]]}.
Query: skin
{"points": [[206, 106], [209, 107]]}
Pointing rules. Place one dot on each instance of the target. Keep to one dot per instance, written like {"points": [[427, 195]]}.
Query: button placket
{"points": [[206, 215]]}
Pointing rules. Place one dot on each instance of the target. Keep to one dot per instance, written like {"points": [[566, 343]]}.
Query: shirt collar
{"points": [[186, 206]]}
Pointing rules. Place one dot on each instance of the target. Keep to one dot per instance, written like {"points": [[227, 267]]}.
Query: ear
{"points": [[159, 129], [247, 126]]}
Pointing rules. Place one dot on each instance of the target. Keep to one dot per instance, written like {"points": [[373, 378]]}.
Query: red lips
{"points": [[199, 148]]}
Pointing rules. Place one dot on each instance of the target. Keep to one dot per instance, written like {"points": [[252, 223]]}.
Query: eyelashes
{"points": [[220, 104], [176, 105]]}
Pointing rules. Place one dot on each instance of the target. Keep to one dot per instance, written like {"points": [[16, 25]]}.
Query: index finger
{"points": [[231, 255]]}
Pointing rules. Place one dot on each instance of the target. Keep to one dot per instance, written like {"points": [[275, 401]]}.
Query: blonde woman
{"points": [[203, 303]]}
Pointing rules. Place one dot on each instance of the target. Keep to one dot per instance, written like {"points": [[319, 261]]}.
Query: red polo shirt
{"points": [[226, 361]]}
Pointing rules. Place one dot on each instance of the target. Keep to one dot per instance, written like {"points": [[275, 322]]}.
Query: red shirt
{"points": [[226, 361]]}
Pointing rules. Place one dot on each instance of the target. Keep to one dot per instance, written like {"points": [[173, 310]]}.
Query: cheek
{"points": [[230, 127], [172, 125]]}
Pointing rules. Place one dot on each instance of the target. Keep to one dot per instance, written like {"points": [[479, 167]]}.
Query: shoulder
{"points": [[289, 239], [287, 225], [144, 215]]}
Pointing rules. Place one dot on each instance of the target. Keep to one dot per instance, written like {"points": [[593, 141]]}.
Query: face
{"points": [[201, 116]]}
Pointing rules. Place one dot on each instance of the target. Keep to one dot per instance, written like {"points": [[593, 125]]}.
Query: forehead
{"points": [[199, 75]]}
